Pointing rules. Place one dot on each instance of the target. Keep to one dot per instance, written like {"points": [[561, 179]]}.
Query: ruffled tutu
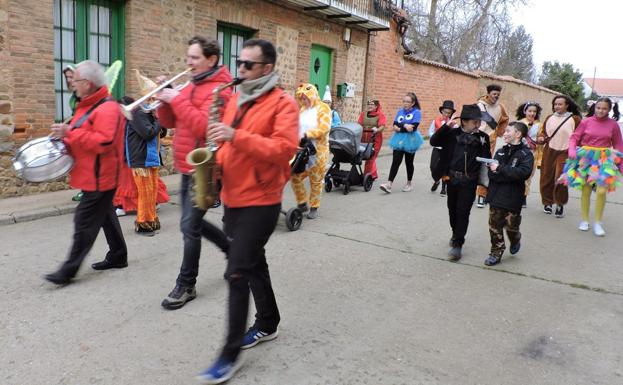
{"points": [[596, 166], [406, 141]]}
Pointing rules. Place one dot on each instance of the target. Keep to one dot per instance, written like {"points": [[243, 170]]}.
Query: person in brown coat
{"points": [[555, 133]]}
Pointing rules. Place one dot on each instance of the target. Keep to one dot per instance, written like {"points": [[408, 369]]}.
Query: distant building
{"points": [[612, 88]]}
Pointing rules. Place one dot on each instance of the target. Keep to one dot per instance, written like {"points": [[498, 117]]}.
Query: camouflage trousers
{"points": [[499, 219]]}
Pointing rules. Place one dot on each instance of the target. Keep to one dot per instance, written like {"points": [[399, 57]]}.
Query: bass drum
{"points": [[42, 160]]}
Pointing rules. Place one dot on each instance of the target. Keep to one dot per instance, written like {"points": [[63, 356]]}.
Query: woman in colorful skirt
{"points": [[373, 122], [595, 151], [405, 141], [529, 114]]}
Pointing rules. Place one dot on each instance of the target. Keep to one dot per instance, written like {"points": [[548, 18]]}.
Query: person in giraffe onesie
{"points": [[314, 124]]}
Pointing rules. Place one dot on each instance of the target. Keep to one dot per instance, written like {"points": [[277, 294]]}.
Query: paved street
{"points": [[365, 293]]}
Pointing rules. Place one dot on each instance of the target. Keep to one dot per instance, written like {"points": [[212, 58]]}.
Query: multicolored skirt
{"points": [[595, 166], [406, 141]]}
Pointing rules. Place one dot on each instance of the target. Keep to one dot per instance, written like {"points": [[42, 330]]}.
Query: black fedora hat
{"points": [[473, 112], [447, 105]]}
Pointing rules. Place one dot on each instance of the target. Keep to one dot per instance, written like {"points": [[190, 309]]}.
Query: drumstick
{"points": [[64, 122]]}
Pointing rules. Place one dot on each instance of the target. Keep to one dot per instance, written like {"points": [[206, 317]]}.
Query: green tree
{"points": [[564, 79], [515, 56]]}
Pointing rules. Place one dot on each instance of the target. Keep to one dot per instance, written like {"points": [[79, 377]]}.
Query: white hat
{"points": [[327, 94]]}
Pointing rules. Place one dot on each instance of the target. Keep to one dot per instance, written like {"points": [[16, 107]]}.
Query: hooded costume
{"points": [[314, 124]]}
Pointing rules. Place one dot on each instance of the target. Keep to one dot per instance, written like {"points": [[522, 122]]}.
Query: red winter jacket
{"points": [[256, 163], [97, 145], [188, 114]]}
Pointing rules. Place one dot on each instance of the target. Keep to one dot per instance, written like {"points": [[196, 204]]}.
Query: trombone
{"points": [[127, 110]]}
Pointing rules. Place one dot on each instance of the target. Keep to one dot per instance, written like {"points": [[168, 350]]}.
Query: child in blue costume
{"points": [[405, 141]]}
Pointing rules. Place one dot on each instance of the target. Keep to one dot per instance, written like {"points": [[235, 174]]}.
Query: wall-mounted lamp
{"points": [[346, 37]]}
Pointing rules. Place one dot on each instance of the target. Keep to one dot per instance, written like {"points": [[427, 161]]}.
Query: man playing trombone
{"points": [[187, 111]]}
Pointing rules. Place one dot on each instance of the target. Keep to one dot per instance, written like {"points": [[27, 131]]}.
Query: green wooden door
{"points": [[320, 67]]}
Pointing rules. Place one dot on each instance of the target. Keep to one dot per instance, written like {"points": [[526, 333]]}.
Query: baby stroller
{"points": [[294, 216], [346, 147]]}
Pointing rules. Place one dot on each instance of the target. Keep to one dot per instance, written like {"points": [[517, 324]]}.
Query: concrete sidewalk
{"points": [[37, 206]]}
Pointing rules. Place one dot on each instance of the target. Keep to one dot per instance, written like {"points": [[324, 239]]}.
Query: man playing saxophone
{"points": [[187, 111], [258, 136]]}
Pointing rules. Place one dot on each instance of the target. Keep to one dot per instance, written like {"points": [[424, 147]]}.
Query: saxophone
{"points": [[203, 159]]}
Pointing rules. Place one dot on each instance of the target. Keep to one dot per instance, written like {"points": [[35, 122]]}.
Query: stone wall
{"points": [[26, 85], [6, 83]]}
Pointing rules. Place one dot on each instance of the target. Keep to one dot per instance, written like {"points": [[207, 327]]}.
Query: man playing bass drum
{"points": [[95, 140]]}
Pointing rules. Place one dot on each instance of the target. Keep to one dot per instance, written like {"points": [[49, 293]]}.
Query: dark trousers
{"points": [[499, 219], [95, 211], [396, 160], [249, 228], [193, 227], [460, 200], [552, 166]]}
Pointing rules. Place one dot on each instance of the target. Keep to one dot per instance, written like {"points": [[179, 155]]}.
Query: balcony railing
{"points": [[366, 14], [377, 8]]}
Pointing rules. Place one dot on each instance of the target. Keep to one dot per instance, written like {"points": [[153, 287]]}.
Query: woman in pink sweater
{"points": [[595, 151]]}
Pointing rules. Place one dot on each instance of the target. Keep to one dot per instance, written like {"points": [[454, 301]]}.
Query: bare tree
{"points": [[469, 34]]}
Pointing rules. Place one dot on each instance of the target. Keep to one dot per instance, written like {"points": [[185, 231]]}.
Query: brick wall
{"points": [[391, 75], [27, 79], [155, 43]]}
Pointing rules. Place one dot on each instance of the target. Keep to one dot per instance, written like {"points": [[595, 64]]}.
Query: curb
{"points": [[32, 215], [70, 208]]}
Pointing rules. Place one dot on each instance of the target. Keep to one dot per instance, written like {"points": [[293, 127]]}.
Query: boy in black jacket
{"points": [[459, 148], [507, 179]]}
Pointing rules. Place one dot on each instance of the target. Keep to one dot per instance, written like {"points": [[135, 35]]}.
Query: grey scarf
{"points": [[253, 89]]}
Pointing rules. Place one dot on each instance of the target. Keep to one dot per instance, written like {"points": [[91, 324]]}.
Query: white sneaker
{"points": [[407, 188], [584, 226], [598, 230], [386, 187], [120, 212]]}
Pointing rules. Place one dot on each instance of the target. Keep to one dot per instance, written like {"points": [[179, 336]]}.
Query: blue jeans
{"points": [[193, 227]]}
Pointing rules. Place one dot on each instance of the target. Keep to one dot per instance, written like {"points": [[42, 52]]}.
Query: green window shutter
{"points": [[86, 29], [231, 38]]}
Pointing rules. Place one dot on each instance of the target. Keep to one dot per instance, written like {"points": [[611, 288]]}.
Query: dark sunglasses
{"points": [[248, 64]]}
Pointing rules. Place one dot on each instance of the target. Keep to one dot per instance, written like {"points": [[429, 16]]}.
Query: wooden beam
{"points": [[317, 8], [340, 16]]}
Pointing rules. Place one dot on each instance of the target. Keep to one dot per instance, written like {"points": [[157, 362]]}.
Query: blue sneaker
{"points": [[492, 260], [254, 336], [221, 370]]}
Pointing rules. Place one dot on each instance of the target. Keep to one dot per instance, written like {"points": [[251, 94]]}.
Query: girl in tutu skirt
{"points": [[405, 141], [595, 151]]}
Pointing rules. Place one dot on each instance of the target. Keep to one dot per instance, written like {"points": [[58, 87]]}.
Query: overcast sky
{"points": [[585, 33]]}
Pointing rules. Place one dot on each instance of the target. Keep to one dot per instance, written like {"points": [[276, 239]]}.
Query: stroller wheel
{"points": [[294, 218], [367, 182], [346, 188], [328, 186]]}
